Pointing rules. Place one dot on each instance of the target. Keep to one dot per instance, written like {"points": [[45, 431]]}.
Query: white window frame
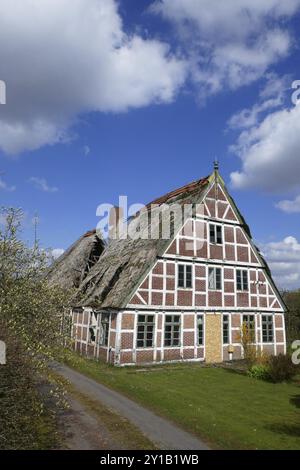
{"points": [[215, 237], [228, 325], [202, 333], [172, 324], [270, 321], [242, 289], [145, 324], [104, 330], [184, 265], [248, 323], [214, 269]]}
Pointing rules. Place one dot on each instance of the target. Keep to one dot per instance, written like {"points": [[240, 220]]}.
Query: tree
{"points": [[31, 314], [292, 318]]}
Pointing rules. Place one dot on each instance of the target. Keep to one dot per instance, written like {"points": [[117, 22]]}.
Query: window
{"points": [[200, 329], [92, 328], [215, 234], [172, 330], [214, 279], [185, 276], [267, 329], [249, 323], [104, 329], [92, 336], [145, 331], [241, 280], [225, 329]]}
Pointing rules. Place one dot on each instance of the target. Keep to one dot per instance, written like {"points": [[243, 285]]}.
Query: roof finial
{"points": [[216, 165]]}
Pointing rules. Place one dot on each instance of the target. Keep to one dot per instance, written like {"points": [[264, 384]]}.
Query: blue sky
{"points": [[138, 98]]}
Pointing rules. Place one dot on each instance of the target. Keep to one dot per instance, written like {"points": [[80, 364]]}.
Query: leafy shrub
{"points": [[275, 369], [259, 371], [281, 368]]}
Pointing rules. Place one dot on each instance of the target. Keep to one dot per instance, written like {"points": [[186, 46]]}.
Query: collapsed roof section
{"points": [[72, 267]]}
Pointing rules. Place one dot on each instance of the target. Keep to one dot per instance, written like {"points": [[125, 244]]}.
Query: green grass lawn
{"points": [[226, 409]]}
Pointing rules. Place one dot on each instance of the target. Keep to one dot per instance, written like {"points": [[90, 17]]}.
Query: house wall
{"points": [[82, 321]]}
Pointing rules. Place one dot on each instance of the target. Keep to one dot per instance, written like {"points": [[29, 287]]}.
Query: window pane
{"points": [[200, 329], [218, 279], [219, 234], [180, 275], [188, 276], [212, 237], [225, 329], [211, 278], [245, 280], [238, 280]]}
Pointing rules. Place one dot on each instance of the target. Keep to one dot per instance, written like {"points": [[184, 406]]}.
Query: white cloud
{"points": [[62, 58], [86, 150], [57, 252], [42, 185], [230, 18], [284, 260], [4, 186], [290, 207], [230, 43], [270, 153], [271, 97]]}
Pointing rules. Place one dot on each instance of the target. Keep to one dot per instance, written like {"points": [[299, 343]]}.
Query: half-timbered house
{"points": [[185, 297]]}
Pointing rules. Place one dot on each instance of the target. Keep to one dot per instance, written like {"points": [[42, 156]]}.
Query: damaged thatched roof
{"points": [[111, 281], [70, 269]]}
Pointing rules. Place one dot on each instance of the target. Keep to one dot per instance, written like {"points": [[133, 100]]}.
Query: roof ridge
{"points": [[176, 192]]}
